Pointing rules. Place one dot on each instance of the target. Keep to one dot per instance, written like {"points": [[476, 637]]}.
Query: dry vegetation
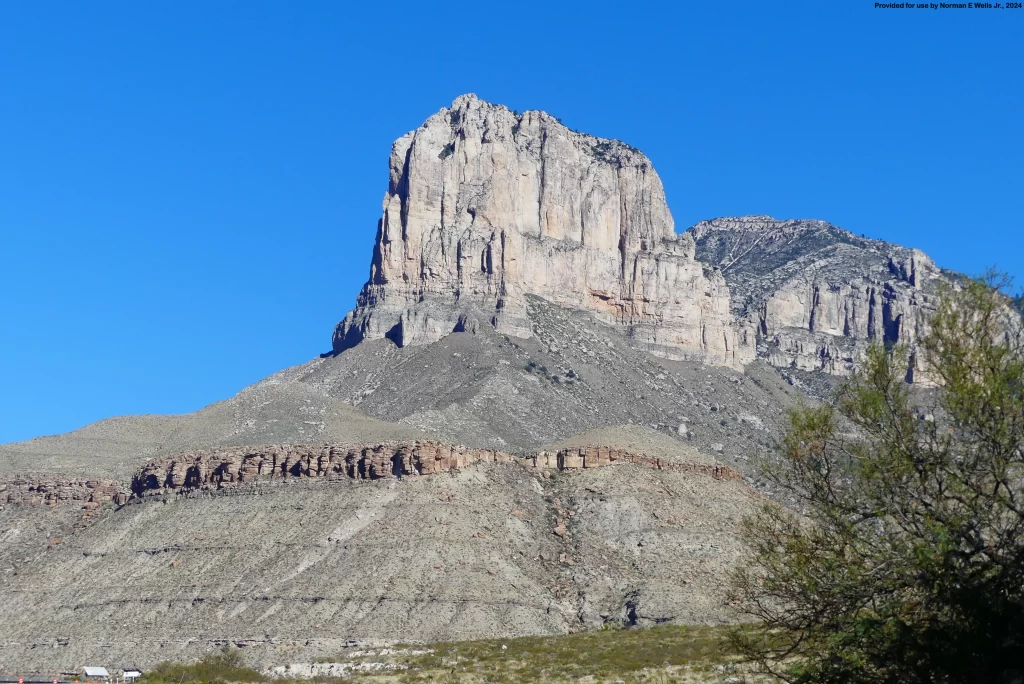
{"points": [[659, 654], [663, 654]]}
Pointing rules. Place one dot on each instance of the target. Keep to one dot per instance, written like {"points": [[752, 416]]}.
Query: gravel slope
{"points": [[292, 572]]}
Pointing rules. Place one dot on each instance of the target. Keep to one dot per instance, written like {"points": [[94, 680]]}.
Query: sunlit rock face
{"points": [[817, 294], [486, 205]]}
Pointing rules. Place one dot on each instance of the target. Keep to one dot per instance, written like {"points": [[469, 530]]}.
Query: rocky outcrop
{"points": [[50, 491], [217, 469], [818, 294], [486, 205], [599, 457]]}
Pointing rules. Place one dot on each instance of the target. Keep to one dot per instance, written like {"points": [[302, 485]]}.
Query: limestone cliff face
{"points": [[818, 294], [486, 205]]}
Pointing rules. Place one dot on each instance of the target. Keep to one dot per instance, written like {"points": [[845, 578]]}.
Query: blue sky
{"points": [[189, 191]]}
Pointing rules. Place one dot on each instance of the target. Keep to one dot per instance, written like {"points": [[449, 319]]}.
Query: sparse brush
{"points": [[225, 666]]}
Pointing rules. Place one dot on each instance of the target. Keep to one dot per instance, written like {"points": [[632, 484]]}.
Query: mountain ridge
{"points": [[818, 294]]}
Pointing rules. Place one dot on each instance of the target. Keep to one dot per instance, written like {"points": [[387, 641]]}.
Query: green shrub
{"points": [[225, 666], [906, 560]]}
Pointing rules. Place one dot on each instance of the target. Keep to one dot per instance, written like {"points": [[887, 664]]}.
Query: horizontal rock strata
{"points": [[203, 469], [46, 491], [222, 468], [217, 469]]}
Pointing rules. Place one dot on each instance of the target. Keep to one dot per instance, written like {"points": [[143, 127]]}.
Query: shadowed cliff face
{"points": [[41, 490], [486, 206]]}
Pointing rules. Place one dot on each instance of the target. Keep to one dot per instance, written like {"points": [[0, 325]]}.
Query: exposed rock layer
{"points": [[221, 468], [50, 491], [485, 206]]}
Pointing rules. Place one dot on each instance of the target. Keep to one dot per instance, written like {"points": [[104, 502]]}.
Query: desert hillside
{"points": [[544, 415]]}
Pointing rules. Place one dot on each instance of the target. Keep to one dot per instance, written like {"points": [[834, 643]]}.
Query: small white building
{"points": [[96, 672], [132, 675]]}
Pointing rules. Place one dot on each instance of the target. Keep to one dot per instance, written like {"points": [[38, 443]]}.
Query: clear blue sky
{"points": [[189, 190]]}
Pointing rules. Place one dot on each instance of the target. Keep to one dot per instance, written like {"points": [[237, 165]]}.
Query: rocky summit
{"points": [[486, 206], [543, 415]]}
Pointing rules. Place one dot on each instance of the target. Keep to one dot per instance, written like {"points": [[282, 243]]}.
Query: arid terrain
{"points": [[544, 416]]}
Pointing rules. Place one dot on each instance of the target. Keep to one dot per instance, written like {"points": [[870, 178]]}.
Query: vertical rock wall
{"points": [[485, 206], [818, 294]]}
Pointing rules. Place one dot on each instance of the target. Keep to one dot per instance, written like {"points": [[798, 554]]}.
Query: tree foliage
{"points": [[901, 558]]}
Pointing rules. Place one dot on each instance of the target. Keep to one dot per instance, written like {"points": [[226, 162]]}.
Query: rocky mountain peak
{"points": [[486, 206], [464, 100]]}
